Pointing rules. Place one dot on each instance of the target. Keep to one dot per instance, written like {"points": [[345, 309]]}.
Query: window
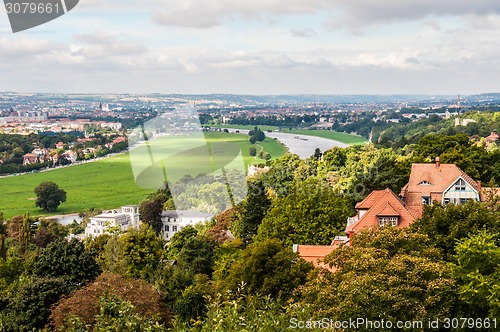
{"points": [[174, 228], [426, 200], [460, 185], [463, 201], [387, 221], [425, 183], [446, 201], [167, 228]]}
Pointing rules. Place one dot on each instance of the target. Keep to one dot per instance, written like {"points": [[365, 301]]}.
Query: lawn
{"points": [[110, 183]]}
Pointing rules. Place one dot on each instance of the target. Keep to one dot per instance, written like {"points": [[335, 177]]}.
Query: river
{"points": [[301, 145]]}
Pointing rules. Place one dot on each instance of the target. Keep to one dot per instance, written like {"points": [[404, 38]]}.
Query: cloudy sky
{"points": [[259, 47]]}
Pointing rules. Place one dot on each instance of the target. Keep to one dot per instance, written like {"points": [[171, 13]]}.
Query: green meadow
{"points": [[110, 183]]}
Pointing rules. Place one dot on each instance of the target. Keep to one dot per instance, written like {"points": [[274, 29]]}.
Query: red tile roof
{"points": [[316, 254], [368, 202], [388, 211], [439, 178], [387, 204], [493, 137]]}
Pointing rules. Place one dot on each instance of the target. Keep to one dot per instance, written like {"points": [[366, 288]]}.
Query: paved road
{"points": [[301, 145]]}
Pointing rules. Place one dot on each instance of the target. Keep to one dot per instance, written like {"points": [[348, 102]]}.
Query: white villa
{"points": [[127, 216], [175, 220]]}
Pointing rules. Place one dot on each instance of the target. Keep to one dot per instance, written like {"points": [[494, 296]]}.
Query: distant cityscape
{"points": [[39, 113]]}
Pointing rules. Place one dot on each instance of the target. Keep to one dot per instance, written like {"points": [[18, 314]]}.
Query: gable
{"points": [[433, 178], [460, 185], [388, 205]]}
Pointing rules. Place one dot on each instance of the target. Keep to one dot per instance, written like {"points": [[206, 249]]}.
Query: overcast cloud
{"points": [[258, 47]]}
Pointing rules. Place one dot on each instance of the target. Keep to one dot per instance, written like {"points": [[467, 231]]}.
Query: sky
{"points": [[258, 47]]}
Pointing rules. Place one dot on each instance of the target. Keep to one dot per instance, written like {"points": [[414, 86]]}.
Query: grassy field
{"points": [[107, 183], [336, 136]]}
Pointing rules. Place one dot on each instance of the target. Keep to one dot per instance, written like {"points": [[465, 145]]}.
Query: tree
{"points": [[86, 303], [317, 154], [197, 255], [49, 196], [150, 212], [445, 225], [19, 228], [240, 311], [48, 231], [268, 268], [3, 236], [256, 135], [24, 234], [478, 275], [179, 239], [252, 151], [252, 211], [311, 214], [389, 274], [142, 250], [66, 259], [280, 176], [29, 308]]}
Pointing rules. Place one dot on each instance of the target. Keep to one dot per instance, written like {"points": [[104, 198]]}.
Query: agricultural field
{"points": [[107, 183]]}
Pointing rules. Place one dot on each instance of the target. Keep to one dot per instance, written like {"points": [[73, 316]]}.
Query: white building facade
{"points": [[175, 220], [124, 218]]}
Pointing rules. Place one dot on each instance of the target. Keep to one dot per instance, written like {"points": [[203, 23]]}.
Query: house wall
{"points": [[174, 225], [455, 195], [128, 217]]}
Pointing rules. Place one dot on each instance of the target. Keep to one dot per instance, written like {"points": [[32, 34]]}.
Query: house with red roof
{"points": [[30, 158], [428, 183], [492, 139], [442, 183], [380, 208], [317, 254]]}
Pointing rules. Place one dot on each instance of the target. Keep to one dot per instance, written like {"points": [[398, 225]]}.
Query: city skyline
{"points": [[259, 47]]}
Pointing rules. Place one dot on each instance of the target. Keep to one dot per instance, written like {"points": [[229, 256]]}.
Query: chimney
{"points": [[351, 235], [438, 163]]}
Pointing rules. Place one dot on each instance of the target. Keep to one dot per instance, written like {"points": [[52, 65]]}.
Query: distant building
{"points": [[492, 139], [463, 122], [124, 218], [30, 158], [70, 156], [256, 170], [175, 220]]}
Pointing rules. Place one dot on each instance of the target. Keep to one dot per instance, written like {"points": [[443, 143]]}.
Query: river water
{"points": [[301, 145]]}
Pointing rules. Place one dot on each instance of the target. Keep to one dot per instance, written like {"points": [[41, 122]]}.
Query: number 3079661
{"points": [[33, 8]]}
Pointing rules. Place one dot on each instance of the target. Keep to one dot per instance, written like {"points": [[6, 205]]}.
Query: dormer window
{"points": [[387, 221], [425, 183], [460, 185], [426, 200]]}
